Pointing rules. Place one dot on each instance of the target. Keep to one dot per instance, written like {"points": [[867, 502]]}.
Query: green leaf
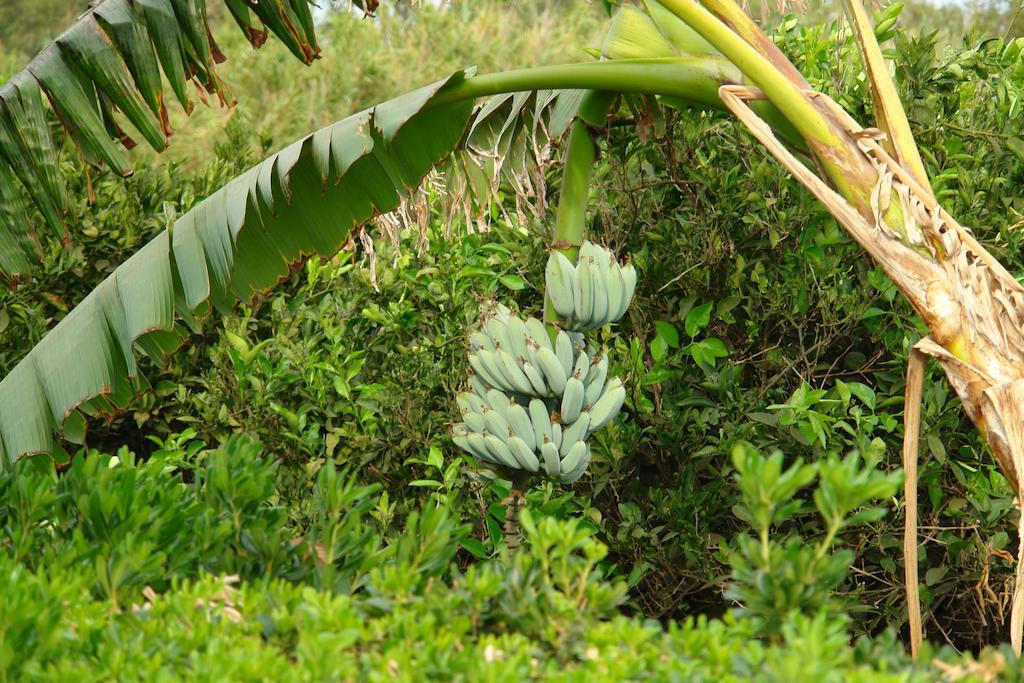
{"points": [[513, 282], [698, 318], [668, 332], [110, 61], [235, 244]]}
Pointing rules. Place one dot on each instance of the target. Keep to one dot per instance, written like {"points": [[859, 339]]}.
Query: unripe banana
{"points": [[500, 450], [524, 456], [608, 406], [498, 401], [629, 284], [462, 401], [498, 332], [489, 359], [514, 373], [479, 340], [540, 420], [577, 338], [556, 434], [552, 463], [575, 474], [497, 424], [478, 447], [572, 400], [582, 366], [475, 421], [575, 432], [589, 250], [583, 305], [477, 402], [521, 425], [540, 388], [558, 278], [538, 333], [599, 277], [551, 367], [574, 457], [482, 371], [563, 349], [617, 303], [477, 384], [595, 379], [517, 335]]}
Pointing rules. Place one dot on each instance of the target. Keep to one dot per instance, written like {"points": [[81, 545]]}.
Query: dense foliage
{"points": [[286, 502]]}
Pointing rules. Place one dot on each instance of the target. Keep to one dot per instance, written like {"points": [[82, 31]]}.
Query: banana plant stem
{"points": [[580, 155], [694, 79]]}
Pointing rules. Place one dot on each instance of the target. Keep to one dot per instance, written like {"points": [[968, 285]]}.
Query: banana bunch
{"points": [[526, 434], [534, 398], [594, 292], [519, 356]]}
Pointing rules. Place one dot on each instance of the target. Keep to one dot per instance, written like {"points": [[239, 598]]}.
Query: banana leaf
{"points": [[235, 244], [105, 67]]}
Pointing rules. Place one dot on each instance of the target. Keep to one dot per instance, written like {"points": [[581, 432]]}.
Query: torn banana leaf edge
{"points": [[234, 245], [102, 75]]}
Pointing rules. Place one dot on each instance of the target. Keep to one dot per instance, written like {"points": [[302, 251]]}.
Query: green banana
{"points": [[536, 379], [552, 464], [629, 285], [583, 289], [554, 373], [563, 349], [497, 424], [513, 359], [541, 421], [599, 277], [521, 425], [539, 334], [572, 400], [477, 402], [558, 278], [616, 293], [490, 362], [514, 373], [574, 457], [477, 384], [479, 340], [475, 421], [596, 377], [481, 370], [517, 334], [497, 330], [582, 365], [574, 433], [575, 474], [524, 456], [500, 450], [498, 401], [478, 447], [608, 406]]}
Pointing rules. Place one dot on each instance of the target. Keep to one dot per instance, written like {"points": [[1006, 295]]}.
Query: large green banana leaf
{"points": [[305, 200], [106, 68]]}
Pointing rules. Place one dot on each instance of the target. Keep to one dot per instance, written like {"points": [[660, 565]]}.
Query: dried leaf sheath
{"points": [[969, 301]]}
